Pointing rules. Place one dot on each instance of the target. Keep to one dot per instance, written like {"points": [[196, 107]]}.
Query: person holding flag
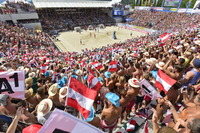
{"points": [[80, 97]]}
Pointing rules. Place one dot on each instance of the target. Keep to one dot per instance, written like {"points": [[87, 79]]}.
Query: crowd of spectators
{"points": [[163, 21], [140, 58], [53, 20], [14, 8]]}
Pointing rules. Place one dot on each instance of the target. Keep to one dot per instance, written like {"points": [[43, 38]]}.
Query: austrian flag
{"points": [[113, 66], [97, 65], [164, 82], [80, 97], [43, 68], [93, 83], [82, 63], [164, 37], [91, 72]]}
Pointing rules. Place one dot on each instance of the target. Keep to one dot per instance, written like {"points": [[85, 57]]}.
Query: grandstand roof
{"points": [[72, 3]]}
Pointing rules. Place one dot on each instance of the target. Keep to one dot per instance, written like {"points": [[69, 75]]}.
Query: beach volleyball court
{"points": [[75, 41]]}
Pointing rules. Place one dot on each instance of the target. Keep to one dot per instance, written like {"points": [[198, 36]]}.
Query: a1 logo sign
{"points": [[5, 85]]}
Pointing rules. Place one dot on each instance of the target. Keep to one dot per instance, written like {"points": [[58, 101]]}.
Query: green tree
{"points": [[159, 4], [183, 4]]}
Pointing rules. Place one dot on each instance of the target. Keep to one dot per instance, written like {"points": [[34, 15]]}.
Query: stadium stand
{"points": [[163, 21], [53, 19], [150, 74]]}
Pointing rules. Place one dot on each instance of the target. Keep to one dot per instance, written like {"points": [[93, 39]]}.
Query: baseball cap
{"points": [[3, 98]]}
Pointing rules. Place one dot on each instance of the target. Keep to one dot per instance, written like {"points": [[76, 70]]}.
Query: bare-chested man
{"points": [[121, 72], [139, 72], [129, 71], [54, 96], [33, 100], [120, 84], [172, 96], [177, 72], [191, 111], [122, 102], [111, 83], [111, 111], [133, 91], [9, 109]]}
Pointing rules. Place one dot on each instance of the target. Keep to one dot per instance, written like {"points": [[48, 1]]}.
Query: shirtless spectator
{"points": [[129, 70], [138, 71], [111, 112], [54, 96], [191, 110], [132, 92], [121, 84], [9, 109], [176, 72], [111, 83]]}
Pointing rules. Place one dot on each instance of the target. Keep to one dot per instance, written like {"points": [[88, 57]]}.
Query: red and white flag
{"points": [[33, 62], [43, 68], [145, 129], [97, 65], [164, 37], [25, 57], [82, 63], [93, 83], [113, 66], [41, 58], [163, 81], [80, 97], [91, 72], [47, 60]]}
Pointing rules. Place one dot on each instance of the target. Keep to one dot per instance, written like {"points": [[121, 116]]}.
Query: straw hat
{"points": [[28, 93], [44, 107], [179, 47], [20, 68], [146, 53], [26, 70], [10, 69], [188, 53], [116, 56], [53, 89], [32, 74], [182, 41], [79, 72], [63, 92], [160, 65], [151, 61], [186, 44], [133, 82], [197, 42]]}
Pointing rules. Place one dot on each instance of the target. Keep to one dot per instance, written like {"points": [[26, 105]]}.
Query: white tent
{"points": [[73, 3]]}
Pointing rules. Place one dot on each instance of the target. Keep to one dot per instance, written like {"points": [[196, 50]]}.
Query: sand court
{"points": [[75, 41]]}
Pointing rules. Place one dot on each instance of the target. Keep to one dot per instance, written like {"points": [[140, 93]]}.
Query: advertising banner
{"points": [[12, 83], [172, 3]]}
